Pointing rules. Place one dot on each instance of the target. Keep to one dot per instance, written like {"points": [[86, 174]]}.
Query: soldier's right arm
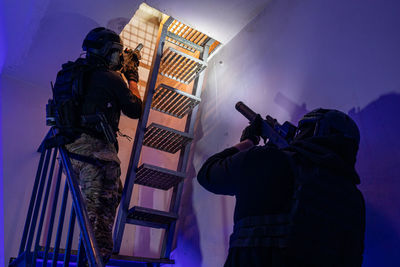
{"points": [[129, 99], [133, 86]]}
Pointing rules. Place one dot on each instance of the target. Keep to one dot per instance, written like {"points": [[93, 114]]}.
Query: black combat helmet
{"points": [[333, 132], [327, 122], [104, 44]]}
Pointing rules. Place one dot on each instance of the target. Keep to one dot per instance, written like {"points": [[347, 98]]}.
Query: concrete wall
{"points": [[293, 57]]}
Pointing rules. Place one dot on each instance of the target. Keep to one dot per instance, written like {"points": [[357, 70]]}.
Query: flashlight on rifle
{"points": [[280, 135]]}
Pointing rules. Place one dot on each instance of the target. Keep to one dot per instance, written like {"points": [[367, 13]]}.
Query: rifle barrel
{"points": [[245, 111]]}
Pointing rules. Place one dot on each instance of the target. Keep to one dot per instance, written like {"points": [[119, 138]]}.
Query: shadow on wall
{"points": [[295, 111], [378, 164], [379, 168], [188, 236]]}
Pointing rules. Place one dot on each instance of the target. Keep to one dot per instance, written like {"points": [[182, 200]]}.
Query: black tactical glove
{"points": [[131, 64], [253, 131]]}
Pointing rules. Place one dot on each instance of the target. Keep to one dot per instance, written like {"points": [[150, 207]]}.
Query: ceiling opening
{"points": [[143, 28]]}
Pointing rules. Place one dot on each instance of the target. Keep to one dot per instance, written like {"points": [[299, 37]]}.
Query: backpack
{"points": [[63, 111]]}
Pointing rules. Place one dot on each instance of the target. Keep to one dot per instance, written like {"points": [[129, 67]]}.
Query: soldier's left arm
{"points": [[221, 172]]}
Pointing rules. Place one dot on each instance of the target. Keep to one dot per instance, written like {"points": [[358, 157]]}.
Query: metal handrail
{"points": [[89, 240], [79, 211]]}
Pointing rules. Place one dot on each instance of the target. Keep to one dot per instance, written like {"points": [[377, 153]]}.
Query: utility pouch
{"points": [[99, 122], [51, 113]]}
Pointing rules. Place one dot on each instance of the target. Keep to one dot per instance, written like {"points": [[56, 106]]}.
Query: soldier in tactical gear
{"points": [[97, 165], [297, 206]]}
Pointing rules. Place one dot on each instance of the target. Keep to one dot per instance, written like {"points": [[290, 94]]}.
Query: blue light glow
{"points": [[2, 59]]}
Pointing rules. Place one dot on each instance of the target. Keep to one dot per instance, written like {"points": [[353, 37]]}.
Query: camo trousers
{"points": [[101, 187]]}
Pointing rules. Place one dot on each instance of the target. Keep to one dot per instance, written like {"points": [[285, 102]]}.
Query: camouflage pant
{"points": [[101, 187]]}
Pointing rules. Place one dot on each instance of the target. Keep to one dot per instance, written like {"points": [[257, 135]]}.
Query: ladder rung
{"points": [[186, 37], [157, 177], [165, 139], [173, 102], [180, 66], [182, 42], [150, 217]]}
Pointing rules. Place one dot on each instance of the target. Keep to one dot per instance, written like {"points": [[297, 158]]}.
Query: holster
{"points": [[99, 122]]}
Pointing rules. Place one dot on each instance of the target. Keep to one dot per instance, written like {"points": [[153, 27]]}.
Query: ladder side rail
{"points": [[183, 159], [91, 248], [28, 221], [60, 225], [52, 215], [38, 202], [191, 118], [81, 252], [138, 143], [44, 206], [70, 237], [32, 203]]}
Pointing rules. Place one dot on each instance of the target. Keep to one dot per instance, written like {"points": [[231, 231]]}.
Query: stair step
{"points": [[157, 177], [165, 139], [186, 37], [173, 102], [116, 260], [182, 42], [140, 259], [150, 217], [180, 66]]}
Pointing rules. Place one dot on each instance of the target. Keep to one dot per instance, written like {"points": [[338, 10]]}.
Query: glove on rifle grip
{"points": [[253, 131], [131, 64]]}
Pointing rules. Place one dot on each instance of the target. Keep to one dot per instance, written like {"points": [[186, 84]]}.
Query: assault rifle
{"points": [[131, 57], [271, 130]]}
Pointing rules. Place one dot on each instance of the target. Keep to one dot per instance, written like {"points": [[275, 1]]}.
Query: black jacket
{"points": [[106, 92], [262, 180]]}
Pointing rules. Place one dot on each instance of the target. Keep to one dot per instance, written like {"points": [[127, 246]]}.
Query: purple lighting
{"points": [[2, 44], [2, 59]]}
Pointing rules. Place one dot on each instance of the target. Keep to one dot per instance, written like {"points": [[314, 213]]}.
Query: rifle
{"points": [[99, 121], [271, 130], [131, 57]]}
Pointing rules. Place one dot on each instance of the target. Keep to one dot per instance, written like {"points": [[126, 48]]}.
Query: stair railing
{"points": [[33, 230]]}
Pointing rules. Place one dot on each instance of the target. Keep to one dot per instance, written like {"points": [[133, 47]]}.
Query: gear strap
{"points": [[261, 231], [86, 159]]}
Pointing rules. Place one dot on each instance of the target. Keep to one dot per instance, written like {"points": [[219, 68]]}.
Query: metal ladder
{"points": [[181, 67]]}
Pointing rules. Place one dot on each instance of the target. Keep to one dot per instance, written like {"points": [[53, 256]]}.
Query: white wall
{"points": [[40, 36], [335, 54], [221, 19], [338, 54]]}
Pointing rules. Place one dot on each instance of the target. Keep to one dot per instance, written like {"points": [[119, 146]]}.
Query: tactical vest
{"points": [[325, 211], [64, 111]]}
